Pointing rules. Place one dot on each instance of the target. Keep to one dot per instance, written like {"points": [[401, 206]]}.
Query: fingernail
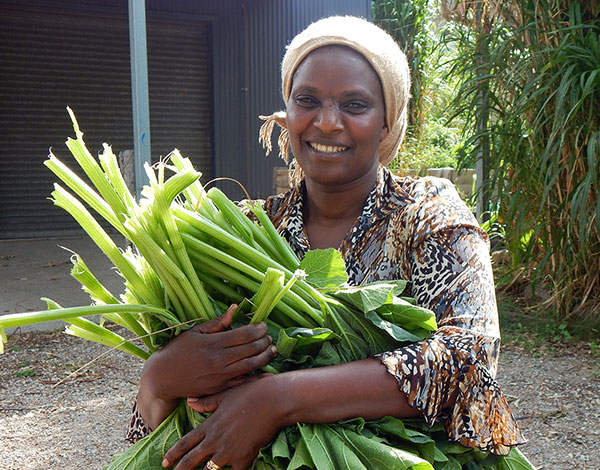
{"points": [[193, 400], [270, 338], [165, 463], [273, 349]]}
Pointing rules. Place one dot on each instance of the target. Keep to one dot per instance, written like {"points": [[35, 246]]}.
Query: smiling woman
{"points": [[345, 86], [335, 118]]}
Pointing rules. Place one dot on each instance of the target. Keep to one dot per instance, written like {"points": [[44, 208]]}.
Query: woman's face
{"points": [[336, 116]]}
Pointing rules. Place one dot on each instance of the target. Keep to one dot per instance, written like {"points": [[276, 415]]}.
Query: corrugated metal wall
{"points": [[78, 55], [239, 43]]}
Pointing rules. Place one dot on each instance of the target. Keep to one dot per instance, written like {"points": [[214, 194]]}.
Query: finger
{"points": [[207, 404], [243, 351], [218, 324], [183, 446], [194, 458], [250, 364], [215, 463], [242, 335]]}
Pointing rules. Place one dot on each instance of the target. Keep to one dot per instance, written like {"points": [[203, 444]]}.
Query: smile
{"points": [[327, 148]]}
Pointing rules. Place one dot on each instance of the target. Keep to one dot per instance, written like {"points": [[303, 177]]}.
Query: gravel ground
{"points": [[80, 423]]}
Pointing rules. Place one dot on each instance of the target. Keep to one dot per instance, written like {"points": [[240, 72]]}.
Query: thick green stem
{"points": [[93, 170], [243, 251], [27, 318], [280, 245], [105, 243], [89, 330]]}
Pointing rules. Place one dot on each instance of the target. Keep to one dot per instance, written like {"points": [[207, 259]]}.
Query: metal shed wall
{"points": [[57, 53], [237, 43]]}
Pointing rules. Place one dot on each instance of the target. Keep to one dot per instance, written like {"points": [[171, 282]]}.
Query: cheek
{"points": [[370, 132], [296, 123]]}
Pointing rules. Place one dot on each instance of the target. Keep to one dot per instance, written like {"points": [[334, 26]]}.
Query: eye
{"points": [[306, 101], [356, 106]]}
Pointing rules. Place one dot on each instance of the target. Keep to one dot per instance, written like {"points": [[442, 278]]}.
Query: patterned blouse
{"points": [[420, 230]]}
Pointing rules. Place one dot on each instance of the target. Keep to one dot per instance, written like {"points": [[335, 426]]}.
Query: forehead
{"points": [[337, 65]]}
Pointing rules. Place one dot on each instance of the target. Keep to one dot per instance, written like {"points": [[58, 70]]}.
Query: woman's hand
{"points": [[245, 419], [204, 360]]}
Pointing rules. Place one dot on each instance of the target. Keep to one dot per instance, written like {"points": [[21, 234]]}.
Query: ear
{"points": [[384, 133]]}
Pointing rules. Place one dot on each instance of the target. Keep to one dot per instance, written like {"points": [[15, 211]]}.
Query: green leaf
{"points": [[280, 448], [298, 339], [515, 461], [456, 449], [450, 464], [368, 297], [302, 458], [399, 285], [327, 356], [353, 345], [395, 426], [328, 450], [324, 268], [382, 456], [402, 312], [148, 453], [395, 331]]}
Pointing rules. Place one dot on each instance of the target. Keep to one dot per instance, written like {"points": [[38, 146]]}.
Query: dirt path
{"points": [[80, 423]]}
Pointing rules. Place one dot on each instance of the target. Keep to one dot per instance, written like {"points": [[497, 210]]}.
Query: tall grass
{"points": [[430, 141], [542, 69]]}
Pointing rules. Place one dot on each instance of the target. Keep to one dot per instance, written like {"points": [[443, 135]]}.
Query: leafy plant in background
{"points": [[539, 62], [407, 22], [430, 142]]}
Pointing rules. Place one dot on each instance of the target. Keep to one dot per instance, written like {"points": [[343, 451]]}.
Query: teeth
{"points": [[327, 148]]}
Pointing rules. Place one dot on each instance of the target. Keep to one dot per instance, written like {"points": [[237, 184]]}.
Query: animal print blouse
{"points": [[421, 231]]}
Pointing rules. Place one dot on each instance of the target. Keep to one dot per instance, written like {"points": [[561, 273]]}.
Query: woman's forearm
{"points": [[328, 394], [153, 408]]}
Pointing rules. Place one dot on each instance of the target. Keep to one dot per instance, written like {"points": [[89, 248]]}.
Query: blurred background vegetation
{"points": [[514, 86]]}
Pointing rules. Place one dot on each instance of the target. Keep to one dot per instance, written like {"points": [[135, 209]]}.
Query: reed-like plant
{"points": [[542, 69]]}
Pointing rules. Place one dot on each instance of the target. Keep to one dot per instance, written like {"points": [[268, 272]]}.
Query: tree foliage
{"points": [[430, 141], [540, 62]]}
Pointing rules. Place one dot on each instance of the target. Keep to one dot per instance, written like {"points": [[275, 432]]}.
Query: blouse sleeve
{"points": [[137, 428], [451, 274]]}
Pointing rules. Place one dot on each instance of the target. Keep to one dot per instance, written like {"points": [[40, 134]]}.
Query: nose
{"points": [[329, 119]]}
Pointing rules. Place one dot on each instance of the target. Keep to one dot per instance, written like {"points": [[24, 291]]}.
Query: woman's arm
{"points": [[248, 417]]}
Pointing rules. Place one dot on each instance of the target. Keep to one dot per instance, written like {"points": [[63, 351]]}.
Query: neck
{"points": [[338, 203]]}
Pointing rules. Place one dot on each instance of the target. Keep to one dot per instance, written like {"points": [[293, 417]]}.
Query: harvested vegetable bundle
{"points": [[196, 253]]}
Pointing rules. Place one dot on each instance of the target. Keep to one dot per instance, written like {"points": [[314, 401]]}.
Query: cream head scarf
{"points": [[380, 50]]}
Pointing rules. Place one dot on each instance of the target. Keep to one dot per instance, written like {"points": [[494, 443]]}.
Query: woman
{"points": [[345, 85]]}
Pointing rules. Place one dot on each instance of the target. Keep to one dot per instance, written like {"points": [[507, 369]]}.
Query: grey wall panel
{"points": [[179, 74], [229, 94], [50, 61], [77, 52], [79, 56]]}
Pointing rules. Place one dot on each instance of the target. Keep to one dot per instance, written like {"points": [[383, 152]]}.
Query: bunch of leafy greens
{"points": [[376, 319], [196, 253]]}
